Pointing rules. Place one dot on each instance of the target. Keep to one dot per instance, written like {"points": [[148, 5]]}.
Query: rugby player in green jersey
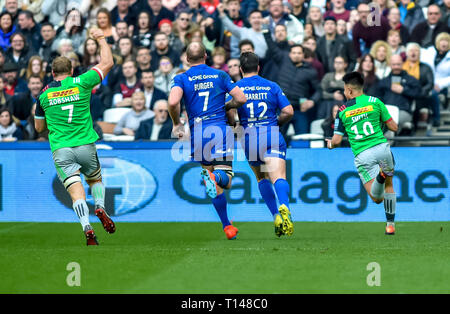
{"points": [[362, 118], [64, 108]]}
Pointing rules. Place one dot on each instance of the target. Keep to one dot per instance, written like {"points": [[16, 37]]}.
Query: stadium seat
{"points": [[316, 140], [394, 112], [113, 115], [107, 127], [316, 126]]}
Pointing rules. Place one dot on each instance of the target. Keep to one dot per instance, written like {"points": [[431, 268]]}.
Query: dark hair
{"points": [[47, 24], [6, 109], [296, 46], [371, 77], [34, 76], [148, 71], [12, 21], [149, 25], [342, 57], [86, 57], [249, 62], [308, 53], [27, 13], [254, 11], [354, 78], [246, 42], [108, 14]]}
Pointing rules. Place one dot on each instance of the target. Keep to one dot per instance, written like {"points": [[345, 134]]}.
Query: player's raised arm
{"points": [[238, 100], [106, 58]]}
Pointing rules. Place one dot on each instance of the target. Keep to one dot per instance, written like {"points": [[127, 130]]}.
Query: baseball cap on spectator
{"points": [[10, 67], [164, 21], [330, 18]]}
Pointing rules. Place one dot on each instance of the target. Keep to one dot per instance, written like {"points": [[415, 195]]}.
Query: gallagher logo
{"points": [[129, 187]]}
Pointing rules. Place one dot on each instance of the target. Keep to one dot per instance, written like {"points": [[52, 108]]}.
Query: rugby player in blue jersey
{"points": [[262, 141], [203, 90]]}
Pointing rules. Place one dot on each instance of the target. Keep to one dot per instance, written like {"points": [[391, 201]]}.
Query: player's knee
{"points": [[95, 177], [71, 180]]}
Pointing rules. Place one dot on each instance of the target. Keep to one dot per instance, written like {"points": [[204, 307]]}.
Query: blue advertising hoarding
{"points": [[148, 185]]}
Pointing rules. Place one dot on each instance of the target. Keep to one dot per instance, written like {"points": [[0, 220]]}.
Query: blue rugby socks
{"points": [[282, 189], [222, 178], [267, 193], [220, 204]]}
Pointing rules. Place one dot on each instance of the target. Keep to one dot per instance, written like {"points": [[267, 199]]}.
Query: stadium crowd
{"points": [[306, 46]]}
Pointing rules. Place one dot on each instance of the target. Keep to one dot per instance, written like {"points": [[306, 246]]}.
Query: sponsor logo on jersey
{"points": [[63, 93], [355, 112]]}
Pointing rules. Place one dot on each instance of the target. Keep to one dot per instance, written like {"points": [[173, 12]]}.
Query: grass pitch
{"points": [[197, 258]]}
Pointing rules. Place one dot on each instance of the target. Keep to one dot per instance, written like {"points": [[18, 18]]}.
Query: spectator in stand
{"points": [[64, 47], [181, 27], [411, 14], [299, 82], [364, 35], [234, 69], [7, 28], [125, 48], [30, 30], [48, 35], [143, 60], [341, 29], [126, 86], [12, 7], [425, 33], [309, 31], [165, 26], [35, 68], [424, 74], [277, 16], [19, 52], [9, 132], [315, 18], [394, 41], [438, 58], [4, 97], [130, 122], [184, 64], [247, 6], [76, 64], [299, 9], [394, 22], [331, 45], [152, 94], [163, 50], [385, 6], [231, 42], [338, 11], [270, 68], [382, 53], [13, 84], [89, 9], [445, 12], [310, 56], [21, 103], [122, 30], [332, 87], [197, 12], [91, 54], [73, 29], [400, 89], [57, 10], [165, 74], [157, 128], [122, 13], [157, 10], [253, 33], [219, 57], [353, 19], [30, 132], [263, 6], [142, 33], [367, 68], [105, 24]]}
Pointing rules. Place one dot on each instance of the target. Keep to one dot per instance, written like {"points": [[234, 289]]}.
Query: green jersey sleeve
{"points": [[89, 79]]}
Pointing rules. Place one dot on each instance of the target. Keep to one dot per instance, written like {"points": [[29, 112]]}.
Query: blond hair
{"points": [[377, 45], [440, 37]]}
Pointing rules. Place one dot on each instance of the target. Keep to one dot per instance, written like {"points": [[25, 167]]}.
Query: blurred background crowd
{"points": [[306, 46]]}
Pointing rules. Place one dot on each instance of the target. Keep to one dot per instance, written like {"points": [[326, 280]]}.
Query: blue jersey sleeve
{"points": [[227, 82], [177, 81], [281, 97]]}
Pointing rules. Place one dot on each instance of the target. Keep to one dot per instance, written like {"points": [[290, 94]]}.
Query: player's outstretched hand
{"points": [[178, 131], [96, 33], [328, 143]]}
